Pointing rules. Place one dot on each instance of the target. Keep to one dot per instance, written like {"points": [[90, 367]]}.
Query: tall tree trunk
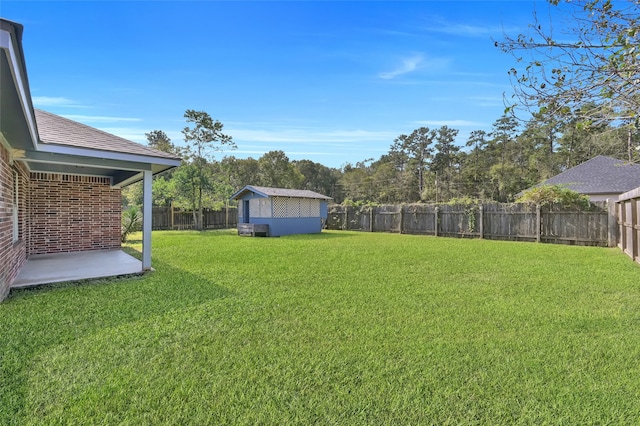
{"points": [[199, 223], [630, 145]]}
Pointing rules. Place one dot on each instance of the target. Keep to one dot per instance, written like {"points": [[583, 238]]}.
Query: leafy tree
{"points": [[276, 170], [357, 181], [241, 172], [416, 148], [194, 178], [157, 139], [163, 191], [506, 181], [503, 134], [445, 161], [318, 178], [393, 182], [132, 195], [593, 63], [474, 170]]}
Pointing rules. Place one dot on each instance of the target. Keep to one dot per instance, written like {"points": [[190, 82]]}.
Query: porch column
{"points": [[146, 220]]}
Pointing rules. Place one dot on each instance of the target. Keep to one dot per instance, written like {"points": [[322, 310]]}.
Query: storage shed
{"points": [[277, 211]]}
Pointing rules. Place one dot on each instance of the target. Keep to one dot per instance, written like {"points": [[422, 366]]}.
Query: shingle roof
{"points": [[600, 175], [54, 129], [281, 192]]}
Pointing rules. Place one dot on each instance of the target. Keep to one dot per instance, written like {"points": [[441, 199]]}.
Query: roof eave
{"points": [[109, 155], [11, 45], [245, 189]]}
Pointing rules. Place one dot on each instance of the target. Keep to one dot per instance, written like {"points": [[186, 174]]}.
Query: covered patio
{"points": [[76, 266], [60, 183]]}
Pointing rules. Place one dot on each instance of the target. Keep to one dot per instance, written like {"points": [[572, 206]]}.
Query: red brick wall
{"points": [[72, 213], [12, 254]]}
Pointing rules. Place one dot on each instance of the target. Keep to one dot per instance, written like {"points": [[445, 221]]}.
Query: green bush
{"points": [[131, 222], [546, 195]]}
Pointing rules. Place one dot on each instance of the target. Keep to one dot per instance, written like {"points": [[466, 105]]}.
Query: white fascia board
{"points": [[69, 160], [7, 45], [107, 155], [248, 188]]}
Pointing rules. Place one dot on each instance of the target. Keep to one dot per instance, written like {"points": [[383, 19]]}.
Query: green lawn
{"points": [[337, 328]]}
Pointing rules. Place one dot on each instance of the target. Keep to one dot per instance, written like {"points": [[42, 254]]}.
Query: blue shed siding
{"points": [[279, 226], [324, 209], [290, 225]]}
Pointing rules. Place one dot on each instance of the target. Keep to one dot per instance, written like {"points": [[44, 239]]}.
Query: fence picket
{"points": [[517, 222], [167, 218]]}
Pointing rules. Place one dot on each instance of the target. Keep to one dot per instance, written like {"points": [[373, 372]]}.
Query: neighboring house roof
{"points": [[600, 175], [54, 129], [264, 191]]}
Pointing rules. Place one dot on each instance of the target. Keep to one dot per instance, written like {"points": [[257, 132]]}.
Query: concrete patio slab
{"points": [[53, 268]]}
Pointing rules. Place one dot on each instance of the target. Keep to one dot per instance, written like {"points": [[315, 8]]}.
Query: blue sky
{"points": [[332, 82]]}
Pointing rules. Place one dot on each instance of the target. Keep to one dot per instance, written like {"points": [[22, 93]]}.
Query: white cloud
{"points": [[100, 119], [288, 153], [308, 135], [408, 65], [450, 123], [49, 101], [467, 30]]}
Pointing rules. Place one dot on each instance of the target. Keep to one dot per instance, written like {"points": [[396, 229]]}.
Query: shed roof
{"points": [[54, 129], [599, 175], [265, 191]]}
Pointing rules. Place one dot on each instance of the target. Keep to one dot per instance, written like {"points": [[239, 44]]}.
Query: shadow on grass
{"points": [[36, 319], [132, 252], [133, 242], [325, 235]]}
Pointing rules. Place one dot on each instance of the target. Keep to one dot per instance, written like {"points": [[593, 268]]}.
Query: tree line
{"points": [[580, 98], [424, 166]]}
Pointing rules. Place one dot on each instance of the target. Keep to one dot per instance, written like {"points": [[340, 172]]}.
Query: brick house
{"points": [[60, 180]]}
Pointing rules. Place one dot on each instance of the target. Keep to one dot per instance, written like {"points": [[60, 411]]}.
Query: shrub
{"points": [[546, 195], [131, 222]]}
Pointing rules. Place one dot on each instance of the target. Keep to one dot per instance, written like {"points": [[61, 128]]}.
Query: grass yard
{"points": [[338, 328]]}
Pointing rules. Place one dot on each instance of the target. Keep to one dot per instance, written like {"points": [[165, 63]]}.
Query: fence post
{"points": [[538, 223], [346, 218], [635, 229], [172, 220], [370, 219], [612, 224], [437, 209], [401, 216], [481, 227]]}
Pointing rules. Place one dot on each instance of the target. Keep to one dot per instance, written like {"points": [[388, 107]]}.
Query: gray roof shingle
{"points": [[281, 192], [600, 175], [57, 130]]}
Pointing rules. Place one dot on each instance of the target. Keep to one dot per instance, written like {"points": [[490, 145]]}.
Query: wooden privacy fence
{"points": [[496, 221], [172, 218], [628, 214]]}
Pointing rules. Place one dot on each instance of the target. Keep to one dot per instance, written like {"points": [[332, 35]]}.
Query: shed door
{"points": [[245, 211]]}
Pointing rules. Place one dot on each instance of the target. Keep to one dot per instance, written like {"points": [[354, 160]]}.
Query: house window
{"points": [[16, 195]]}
